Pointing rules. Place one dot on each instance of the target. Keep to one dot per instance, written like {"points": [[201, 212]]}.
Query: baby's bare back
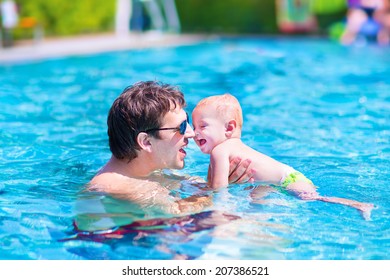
{"points": [[266, 169]]}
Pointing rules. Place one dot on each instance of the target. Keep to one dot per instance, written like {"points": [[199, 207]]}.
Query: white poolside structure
{"points": [[162, 13]]}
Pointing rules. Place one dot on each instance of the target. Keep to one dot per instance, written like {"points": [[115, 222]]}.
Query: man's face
{"points": [[168, 151]]}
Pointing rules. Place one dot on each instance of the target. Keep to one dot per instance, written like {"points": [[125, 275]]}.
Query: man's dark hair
{"points": [[138, 108]]}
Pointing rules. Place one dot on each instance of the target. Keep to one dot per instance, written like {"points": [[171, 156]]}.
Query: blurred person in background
{"points": [[295, 16], [365, 20], [9, 20], [383, 17]]}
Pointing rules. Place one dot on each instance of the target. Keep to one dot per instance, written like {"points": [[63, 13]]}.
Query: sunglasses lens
{"points": [[183, 127]]}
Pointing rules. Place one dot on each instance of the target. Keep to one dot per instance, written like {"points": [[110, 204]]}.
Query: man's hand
{"points": [[194, 203], [239, 171]]}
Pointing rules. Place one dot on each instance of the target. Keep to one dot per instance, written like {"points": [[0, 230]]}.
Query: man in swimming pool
{"points": [[148, 131]]}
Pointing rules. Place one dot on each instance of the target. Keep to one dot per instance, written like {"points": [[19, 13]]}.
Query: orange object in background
{"points": [[28, 22]]}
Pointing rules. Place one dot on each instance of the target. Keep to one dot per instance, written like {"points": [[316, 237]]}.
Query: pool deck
{"points": [[84, 45]]}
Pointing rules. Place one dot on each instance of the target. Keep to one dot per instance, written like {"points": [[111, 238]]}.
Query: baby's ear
{"points": [[230, 128], [144, 141]]}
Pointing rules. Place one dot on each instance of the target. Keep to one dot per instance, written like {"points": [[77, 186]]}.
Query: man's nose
{"points": [[189, 132]]}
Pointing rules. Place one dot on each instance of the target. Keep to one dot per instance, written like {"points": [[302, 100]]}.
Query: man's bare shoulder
{"points": [[143, 192], [114, 183]]}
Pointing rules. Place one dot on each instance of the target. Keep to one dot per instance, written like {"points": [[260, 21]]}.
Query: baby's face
{"points": [[208, 127]]}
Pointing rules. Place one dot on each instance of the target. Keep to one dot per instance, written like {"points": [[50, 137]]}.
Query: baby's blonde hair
{"points": [[226, 105]]}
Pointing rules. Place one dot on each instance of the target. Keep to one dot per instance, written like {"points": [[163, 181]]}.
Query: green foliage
{"points": [[64, 17], [230, 16], [323, 7], [336, 30]]}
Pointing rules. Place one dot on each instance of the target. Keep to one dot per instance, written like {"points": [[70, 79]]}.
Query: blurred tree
{"points": [[329, 14], [64, 17], [231, 16], [323, 7]]}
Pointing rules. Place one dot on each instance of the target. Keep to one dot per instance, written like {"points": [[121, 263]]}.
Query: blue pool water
{"points": [[313, 104]]}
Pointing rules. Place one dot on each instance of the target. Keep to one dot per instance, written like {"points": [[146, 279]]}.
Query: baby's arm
{"points": [[239, 171], [219, 167]]}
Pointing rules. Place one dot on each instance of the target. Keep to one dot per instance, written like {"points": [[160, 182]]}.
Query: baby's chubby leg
{"points": [[259, 196], [259, 193], [304, 190], [364, 208], [307, 191]]}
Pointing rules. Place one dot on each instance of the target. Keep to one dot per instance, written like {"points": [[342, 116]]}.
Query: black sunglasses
{"points": [[181, 128]]}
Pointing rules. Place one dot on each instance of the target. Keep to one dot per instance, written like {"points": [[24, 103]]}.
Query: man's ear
{"points": [[143, 140], [230, 128]]}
